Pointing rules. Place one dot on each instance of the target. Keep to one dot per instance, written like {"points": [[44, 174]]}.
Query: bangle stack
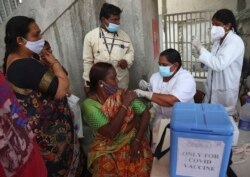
{"points": [[54, 63]]}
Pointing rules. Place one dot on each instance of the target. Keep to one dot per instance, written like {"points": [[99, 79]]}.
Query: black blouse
{"points": [[29, 74]]}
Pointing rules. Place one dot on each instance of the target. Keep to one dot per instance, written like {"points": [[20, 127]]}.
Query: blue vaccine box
{"points": [[200, 140]]}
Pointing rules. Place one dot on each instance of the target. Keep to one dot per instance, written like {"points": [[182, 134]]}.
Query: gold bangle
{"points": [[125, 107], [54, 63]]}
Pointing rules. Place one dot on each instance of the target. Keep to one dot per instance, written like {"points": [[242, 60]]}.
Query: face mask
{"points": [[113, 27], [165, 71], [217, 32], [35, 46], [110, 89]]}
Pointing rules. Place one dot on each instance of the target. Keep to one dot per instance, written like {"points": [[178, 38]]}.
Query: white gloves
{"points": [[196, 47], [196, 43], [145, 94], [195, 53], [143, 85]]}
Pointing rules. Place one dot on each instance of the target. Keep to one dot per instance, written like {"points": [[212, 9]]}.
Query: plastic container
{"points": [[200, 140], [244, 123]]}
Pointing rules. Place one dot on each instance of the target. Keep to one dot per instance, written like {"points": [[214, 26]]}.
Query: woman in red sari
{"points": [[19, 154], [119, 122]]}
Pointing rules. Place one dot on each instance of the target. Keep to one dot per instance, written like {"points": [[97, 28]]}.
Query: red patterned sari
{"points": [[19, 154]]}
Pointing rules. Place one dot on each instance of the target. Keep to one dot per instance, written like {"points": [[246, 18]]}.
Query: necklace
{"points": [[98, 98]]}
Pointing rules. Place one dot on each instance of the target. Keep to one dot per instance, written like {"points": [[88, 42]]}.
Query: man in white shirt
{"points": [[108, 43]]}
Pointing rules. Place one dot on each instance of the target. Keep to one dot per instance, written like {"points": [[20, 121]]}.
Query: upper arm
{"points": [[87, 48], [138, 106], [93, 116], [129, 55], [88, 57], [31, 74]]}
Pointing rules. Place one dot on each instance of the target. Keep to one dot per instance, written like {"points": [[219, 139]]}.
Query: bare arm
{"points": [[63, 81], [164, 99], [144, 122], [111, 129], [136, 149]]}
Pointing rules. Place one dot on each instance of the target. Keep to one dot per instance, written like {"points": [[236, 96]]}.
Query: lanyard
{"points": [[106, 44]]}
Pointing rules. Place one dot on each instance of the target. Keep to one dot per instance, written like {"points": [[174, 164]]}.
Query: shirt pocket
{"points": [[120, 49]]}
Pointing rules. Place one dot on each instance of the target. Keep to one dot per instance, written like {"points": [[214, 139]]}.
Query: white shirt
{"points": [[224, 70], [95, 50], [182, 85]]}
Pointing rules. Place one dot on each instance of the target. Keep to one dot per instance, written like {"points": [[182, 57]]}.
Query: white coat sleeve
{"points": [[151, 82], [88, 57], [129, 55], [226, 56]]}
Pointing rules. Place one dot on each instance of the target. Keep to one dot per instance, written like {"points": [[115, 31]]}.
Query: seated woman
{"points": [[19, 152], [41, 91], [119, 122], [170, 85]]}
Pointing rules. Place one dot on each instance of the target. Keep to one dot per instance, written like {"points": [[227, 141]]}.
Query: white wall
{"points": [[247, 4], [178, 6], [136, 20], [45, 13], [66, 36], [65, 23]]}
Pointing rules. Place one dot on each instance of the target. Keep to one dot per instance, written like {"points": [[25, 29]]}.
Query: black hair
{"points": [[98, 72], [46, 43], [172, 56], [226, 16], [17, 26], [109, 9]]}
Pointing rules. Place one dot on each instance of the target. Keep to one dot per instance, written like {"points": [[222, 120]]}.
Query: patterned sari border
{"points": [[46, 81]]}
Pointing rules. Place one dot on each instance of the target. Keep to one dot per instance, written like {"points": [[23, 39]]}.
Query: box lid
{"points": [[201, 118]]}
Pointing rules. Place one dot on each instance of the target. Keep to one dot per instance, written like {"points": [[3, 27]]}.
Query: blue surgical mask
{"points": [[113, 27], [165, 71], [110, 89]]}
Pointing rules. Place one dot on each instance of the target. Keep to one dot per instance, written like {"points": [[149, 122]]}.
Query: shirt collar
{"points": [[107, 32]]}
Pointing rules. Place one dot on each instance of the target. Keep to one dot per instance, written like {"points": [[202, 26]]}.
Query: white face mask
{"points": [[35, 46], [217, 32]]}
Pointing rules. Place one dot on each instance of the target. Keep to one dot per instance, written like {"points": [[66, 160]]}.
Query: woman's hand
{"points": [[48, 58], [122, 63], [128, 97], [136, 151]]}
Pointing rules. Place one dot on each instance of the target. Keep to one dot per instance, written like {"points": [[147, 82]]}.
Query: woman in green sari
{"points": [[119, 122]]}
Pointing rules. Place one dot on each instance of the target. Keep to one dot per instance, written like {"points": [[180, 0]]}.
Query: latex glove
{"points": [[196, 46], [196, 43], [145, 94], [144, 85], [195, 52]]}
